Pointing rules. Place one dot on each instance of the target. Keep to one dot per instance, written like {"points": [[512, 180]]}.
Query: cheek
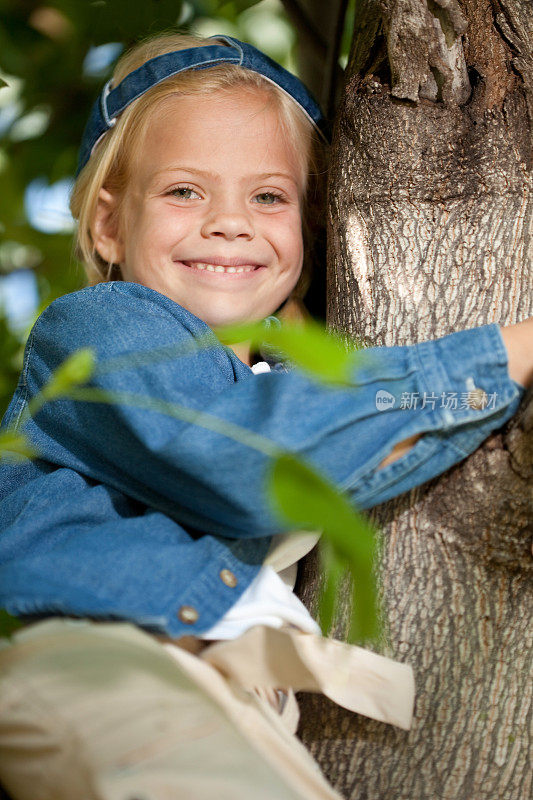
{"points": [[167, 225], [290, 240], [298, 250], [146, 233]]}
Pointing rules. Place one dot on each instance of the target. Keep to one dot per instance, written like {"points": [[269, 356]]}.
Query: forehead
{"points": [[236, 129]]}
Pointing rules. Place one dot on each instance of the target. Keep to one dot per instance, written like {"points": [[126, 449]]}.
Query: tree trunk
{"points": [[430, 231]]}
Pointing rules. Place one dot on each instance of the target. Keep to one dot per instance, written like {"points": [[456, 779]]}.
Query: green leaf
{"points": [[75, 370], [319, 352], [16, 446], [254, 332], [9, 624], [308, 500], [333, 571], [315, 350]]}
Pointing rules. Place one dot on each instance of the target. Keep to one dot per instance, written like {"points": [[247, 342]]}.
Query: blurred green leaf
{"points": [[310, 501], [254, 332], [315, 350], [333, 571], [16, 446], [76, 369], [319, 352], [9, 624]]}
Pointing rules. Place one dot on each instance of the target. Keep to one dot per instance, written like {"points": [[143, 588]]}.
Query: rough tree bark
{"points": [[430, 221]]}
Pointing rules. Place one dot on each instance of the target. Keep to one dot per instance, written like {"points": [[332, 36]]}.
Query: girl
{"points": [[142, 537]]}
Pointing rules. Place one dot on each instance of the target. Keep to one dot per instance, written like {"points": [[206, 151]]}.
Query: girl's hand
{"points": [[518, 340]]}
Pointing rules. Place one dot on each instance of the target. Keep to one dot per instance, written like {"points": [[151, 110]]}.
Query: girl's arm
{"points": [[205, 480], [518, 340]]}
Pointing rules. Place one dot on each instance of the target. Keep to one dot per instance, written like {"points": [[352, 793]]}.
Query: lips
{"points": [[222, 262]]}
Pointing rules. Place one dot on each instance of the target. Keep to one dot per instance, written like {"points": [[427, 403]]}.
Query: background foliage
{"points": [[54, 57]]}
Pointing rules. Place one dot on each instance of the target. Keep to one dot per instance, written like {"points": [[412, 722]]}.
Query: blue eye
{"points": [[268, 198]]}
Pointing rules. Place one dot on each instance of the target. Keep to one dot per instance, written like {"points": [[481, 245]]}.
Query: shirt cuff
{"points": [[462, 392]]}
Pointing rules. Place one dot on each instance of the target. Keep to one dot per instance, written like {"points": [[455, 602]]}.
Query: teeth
{"points": [[218, 267]]}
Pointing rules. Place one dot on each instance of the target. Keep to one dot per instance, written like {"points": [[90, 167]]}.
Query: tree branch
{"points": [[331, 85], [306, 28]]}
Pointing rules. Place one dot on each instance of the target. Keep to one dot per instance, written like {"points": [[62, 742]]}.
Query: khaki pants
{"points": [[101, 711]]}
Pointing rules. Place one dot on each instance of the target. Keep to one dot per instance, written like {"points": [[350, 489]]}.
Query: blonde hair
{"points": [[109, 164]]}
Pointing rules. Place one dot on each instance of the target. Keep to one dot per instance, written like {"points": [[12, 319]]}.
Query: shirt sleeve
{"points": [[205, 479]]}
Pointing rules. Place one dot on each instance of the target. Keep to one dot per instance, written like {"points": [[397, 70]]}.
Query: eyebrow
{"points": [[213, 176]]}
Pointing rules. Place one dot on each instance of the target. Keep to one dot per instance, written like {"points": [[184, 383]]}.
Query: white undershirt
{"points": [[266, 601]]}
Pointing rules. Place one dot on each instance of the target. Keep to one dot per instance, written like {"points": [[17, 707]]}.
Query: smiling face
{"points": [[211, 215]]}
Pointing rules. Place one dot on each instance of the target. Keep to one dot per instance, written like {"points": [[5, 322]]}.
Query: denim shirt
{"points": [[131, 514]]}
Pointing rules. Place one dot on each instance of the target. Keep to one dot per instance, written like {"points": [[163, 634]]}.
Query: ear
{"points": [[105, 229]]}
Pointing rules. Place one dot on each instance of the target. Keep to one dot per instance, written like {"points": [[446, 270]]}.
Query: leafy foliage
{"points": [[10, 361], [308, 500], [44, 76]]}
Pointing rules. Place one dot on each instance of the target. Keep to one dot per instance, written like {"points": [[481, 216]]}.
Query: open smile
{"points": [[234, 270]]}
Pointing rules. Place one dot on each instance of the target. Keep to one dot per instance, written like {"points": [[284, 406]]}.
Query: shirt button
{"points": [[477, 399], [188, 615], [227, 577]]}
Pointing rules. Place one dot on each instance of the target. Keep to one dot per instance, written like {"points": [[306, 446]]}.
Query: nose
{"points": [[228, 224]]}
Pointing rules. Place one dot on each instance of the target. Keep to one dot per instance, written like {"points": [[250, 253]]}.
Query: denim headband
{"points": [[112, 102]]}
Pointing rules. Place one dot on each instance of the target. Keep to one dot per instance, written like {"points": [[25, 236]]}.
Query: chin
{"points": [[222, 320], [218, 318]]}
